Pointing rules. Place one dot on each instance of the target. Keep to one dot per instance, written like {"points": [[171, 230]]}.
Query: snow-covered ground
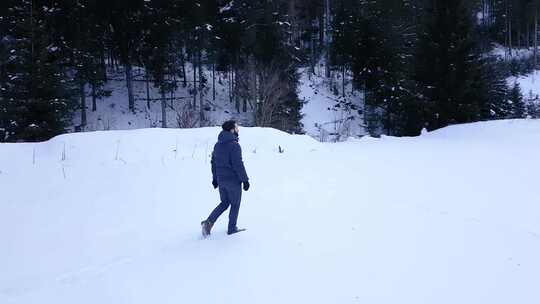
{"points": [[452, 216]]}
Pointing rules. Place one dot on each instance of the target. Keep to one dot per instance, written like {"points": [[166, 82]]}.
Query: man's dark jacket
{"points": [[227, 164]]}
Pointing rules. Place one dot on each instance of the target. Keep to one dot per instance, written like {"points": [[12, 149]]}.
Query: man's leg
{"points": [[235, 196], [225, 202]]}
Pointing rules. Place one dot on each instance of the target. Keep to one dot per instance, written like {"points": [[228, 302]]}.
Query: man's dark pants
{"points": [[230, 194]]}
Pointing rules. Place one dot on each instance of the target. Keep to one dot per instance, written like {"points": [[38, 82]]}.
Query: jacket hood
{"points": [[226, 136]]}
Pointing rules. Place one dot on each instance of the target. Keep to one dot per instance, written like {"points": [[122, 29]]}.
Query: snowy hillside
{"points": [[322, 120], [112, 111], [516, 53], [451, 217], [529, 84]]}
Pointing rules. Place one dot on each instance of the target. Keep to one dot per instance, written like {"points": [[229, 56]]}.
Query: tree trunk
{"points": [[327, 29], [484, 13], [184, 77], [235, 90], [32, 31], [163, 110], [173, 90], [114, 64], [518, 37], [94, 98], [528, 36], [509, 16], [83, 103], [321, 29], [213, 81], [510, 36], [201, 101], [229, 78], [129, 84], [535, 33], [194, 84], [507, 34], [312, 59], [343, 79], [110, 62], [103, 65], [147, 90], [252, 99]]}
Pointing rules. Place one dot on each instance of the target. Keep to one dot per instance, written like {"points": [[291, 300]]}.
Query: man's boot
{"points": [[235, 230], [206, 226]]}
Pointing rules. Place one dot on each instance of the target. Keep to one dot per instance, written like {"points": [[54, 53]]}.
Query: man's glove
{"points": [[246, 186], [214, 183]]}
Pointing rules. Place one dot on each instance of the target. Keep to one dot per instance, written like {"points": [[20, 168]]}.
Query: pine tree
{"points": [[200, 27], [125, 23], [448, 68], [373, 40], [256, 47], [83, 41], [36, 97], [492, 89], [156, 53], [515, 99], [277, 61], [533, 110]]}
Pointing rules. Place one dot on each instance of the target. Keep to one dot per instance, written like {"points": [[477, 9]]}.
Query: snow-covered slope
{"points": [[324, 120], [112, 111], [452, 216], [529, 84], [517, 53]]}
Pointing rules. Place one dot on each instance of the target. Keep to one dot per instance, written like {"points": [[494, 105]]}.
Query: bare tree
{"points": [[270, 93], [186, 117]]}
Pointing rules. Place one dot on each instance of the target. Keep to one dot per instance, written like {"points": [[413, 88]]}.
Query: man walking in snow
{"points": [[229, 174]]}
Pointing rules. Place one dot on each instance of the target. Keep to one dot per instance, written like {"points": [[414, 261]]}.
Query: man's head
{"points": [[230, 126]]}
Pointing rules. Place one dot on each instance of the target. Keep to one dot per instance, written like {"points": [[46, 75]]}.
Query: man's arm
{"points": [[237, 163], [213, 163]]}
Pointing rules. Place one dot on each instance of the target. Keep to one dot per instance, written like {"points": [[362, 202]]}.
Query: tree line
{"points": [[428, 64], [419, 63]]}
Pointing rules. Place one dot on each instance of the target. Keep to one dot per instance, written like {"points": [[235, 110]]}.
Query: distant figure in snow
{"points": [[228, 173]]}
